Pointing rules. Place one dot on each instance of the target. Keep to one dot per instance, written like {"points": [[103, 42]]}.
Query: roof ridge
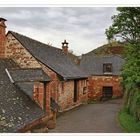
{"points": [[13, 32]]}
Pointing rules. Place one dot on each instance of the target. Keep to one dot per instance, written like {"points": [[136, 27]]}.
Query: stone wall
{"points": [[96, 83], [39, 95], [66, 91], [53, 84], [83, 91], [66, 94], [19, 54], [2, 41]]}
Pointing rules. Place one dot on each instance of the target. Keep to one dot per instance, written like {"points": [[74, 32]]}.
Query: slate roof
{"points": [[25, 78], [93, 65], [52, 57], [29, 75], [74, 58], [27, 88], [16, 108]]}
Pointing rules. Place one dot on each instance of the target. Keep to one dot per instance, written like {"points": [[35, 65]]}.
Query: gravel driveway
{"points": [[91, 118]]}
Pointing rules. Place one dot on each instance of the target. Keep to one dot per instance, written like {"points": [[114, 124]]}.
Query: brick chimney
{"points": [[2, 37], [65, 47]]}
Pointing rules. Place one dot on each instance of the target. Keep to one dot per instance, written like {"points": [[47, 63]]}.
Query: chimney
{"points": [[2, 37], [65, 47]]}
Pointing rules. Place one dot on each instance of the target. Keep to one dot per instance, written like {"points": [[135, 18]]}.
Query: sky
{"points": [[82, 27]]}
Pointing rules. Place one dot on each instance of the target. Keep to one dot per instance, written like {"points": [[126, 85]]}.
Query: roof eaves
{"points": [[105, 74], [41, 79], [74, 78]]}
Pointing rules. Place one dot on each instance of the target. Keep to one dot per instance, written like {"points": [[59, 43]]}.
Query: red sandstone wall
{"points": [[19, 54], [66, 94], [2, 41], [96, 83], [83, 91], [54, 82], [66, 91], [39, 95]]}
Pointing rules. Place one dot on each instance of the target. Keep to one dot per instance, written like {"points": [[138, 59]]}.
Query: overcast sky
{"points": [[83, 27]]}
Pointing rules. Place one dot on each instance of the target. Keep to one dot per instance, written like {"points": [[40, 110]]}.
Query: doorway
{"points": [[108, 92], [75, 91]]}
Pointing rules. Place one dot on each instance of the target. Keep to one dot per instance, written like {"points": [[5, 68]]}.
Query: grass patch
{"points": [[128, 122]]}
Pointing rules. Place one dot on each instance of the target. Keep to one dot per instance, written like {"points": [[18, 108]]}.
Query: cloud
{"points": [[83, 27]]}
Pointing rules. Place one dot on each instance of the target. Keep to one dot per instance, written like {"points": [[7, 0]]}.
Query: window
{"points": [[108, 92], [107, 68]]}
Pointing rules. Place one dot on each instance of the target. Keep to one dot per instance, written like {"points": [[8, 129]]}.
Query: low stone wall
{"points": [[40, 125]]}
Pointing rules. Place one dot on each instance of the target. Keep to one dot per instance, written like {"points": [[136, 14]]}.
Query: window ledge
{"points": [[108, 73]]}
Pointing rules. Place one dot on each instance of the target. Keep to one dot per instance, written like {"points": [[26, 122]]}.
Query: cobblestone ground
{"points": [[91, 118]]}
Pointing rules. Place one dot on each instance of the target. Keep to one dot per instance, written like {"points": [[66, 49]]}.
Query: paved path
{"points": [[90, 118]]}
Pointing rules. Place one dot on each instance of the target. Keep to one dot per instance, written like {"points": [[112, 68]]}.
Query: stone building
{"points": [[68, 83], [67, 87], [18, 110], [104, 75]]}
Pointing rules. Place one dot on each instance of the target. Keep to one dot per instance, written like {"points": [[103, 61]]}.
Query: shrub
{"points": [[128, 122]]}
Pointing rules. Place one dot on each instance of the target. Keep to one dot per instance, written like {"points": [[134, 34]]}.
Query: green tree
{"points": [[126, 25], [126, 28]]}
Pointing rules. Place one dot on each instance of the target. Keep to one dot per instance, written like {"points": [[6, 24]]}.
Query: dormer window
{"points": [[107, 68]]}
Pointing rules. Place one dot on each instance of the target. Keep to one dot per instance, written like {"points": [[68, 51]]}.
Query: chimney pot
{"points": [[2, 22], [65, 47]]}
